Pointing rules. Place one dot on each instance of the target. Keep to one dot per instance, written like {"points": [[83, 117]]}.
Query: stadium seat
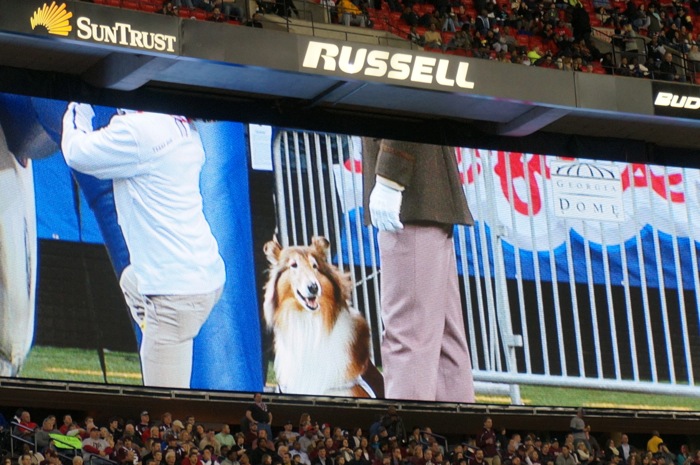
{"points": [[200, 14], [130, 4], [523, 40], [148, 7], [113, 3]]}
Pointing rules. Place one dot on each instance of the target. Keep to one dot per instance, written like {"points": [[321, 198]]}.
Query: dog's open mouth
{"points": [[310, 302]]}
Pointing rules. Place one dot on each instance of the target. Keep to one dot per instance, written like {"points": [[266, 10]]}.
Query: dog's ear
{"points": [[272, 251], [321, 244]]}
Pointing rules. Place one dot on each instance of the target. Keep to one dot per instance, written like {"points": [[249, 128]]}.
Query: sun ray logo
{"points": [[54, 18]]}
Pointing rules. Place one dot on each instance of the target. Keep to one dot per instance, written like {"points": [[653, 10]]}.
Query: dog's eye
{"points": [[293, 265]]}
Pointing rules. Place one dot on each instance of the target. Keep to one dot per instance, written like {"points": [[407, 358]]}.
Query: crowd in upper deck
{"points": [[388, 441]]}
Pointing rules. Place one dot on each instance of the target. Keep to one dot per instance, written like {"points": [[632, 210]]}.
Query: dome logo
{"points": [[54, 18]]}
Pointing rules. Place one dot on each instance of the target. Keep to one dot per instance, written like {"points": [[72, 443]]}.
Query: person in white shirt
{"points": [[176, 273]]}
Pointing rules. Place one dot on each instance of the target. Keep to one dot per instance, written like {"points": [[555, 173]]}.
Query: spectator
{"points": [[409, 16], [460, 41], [565, 457], [667, 72], [394, 424], [258, 414], [684, 455], [42, 435], [127, 454], [432, 37], [26, 426], [217, 16], [415, 37], [581, 23], [626, 449], [487, 442], [231, 10], [349, 14], [67, 422], [94, 447], [144, 427]]}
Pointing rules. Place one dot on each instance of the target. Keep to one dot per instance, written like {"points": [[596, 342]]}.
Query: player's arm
{"points": [[110, 153]]}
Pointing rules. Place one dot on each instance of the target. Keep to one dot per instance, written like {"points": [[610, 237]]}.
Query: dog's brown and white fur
{"points": [[321, 342]]}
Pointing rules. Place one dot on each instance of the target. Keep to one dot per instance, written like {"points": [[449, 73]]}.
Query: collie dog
{"points": [[321, 342]]}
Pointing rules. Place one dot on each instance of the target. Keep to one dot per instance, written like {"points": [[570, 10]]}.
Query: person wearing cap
{"points": [[173, 446], [144, 427], [95, 448]]}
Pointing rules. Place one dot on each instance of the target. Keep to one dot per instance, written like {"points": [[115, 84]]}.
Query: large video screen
{"points": [[158, 250]]}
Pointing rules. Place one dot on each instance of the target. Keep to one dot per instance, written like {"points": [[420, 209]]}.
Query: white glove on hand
{"points": [[384, 207], [79, 116]]}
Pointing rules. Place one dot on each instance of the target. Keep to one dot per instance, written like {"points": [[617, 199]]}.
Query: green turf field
{"points": [[124, 368], [81, 365]]}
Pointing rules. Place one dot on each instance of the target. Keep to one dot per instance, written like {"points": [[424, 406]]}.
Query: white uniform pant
{"points": [[171, 324]]}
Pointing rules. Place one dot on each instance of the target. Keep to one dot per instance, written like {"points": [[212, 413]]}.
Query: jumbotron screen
{"points": [[139, 248]]}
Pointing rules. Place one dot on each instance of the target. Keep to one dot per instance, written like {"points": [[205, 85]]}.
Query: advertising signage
{"points": [[568, 273], [95, 24]]}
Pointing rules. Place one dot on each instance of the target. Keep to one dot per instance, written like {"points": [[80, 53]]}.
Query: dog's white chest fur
{"points": [[309, 359]]}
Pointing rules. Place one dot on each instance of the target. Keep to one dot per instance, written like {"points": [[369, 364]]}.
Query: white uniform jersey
{"points": [[155, 162]]}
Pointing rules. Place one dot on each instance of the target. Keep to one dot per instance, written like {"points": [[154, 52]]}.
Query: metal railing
{"points": [[548, 300]]}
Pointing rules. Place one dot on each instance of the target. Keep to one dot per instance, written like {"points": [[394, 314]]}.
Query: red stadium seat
{"points": [[149, 7], [200, 14], [130, 4], [113, 2], [447, 36]]}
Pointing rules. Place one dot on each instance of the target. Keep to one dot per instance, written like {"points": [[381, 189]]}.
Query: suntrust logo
{"points": [[54, 18], [379, 63], [124, 34]]}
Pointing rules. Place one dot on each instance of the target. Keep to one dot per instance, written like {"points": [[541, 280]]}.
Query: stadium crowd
{"points": [[650, 39], [387, 441]]}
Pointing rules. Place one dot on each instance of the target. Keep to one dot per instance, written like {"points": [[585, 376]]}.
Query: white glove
{"points": [[384, 207], [80, 116]]}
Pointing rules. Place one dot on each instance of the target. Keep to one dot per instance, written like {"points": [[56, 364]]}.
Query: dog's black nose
{"points": [[313, 289]]}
